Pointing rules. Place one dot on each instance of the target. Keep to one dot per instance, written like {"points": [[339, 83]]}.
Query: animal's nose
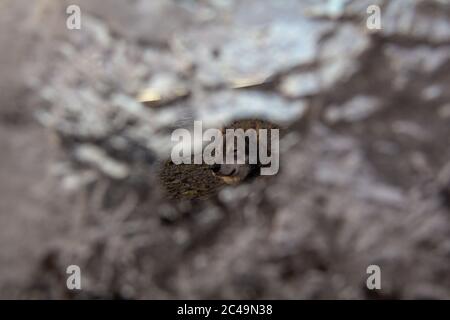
{"points": [[215, 168]]}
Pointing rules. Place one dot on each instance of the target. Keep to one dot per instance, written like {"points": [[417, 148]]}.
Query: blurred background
{"points": [[85, 116]]}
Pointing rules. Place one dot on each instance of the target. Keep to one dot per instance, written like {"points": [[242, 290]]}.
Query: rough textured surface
{"points": [[365, 161]]}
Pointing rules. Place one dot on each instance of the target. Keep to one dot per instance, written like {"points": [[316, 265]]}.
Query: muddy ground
{"points": [[365, 158]]}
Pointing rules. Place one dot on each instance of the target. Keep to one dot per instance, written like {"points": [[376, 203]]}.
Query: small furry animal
{"points": [[236, 173], [200, 181]]}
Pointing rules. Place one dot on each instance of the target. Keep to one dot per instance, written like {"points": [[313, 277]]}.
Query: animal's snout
{"points": [[226, 169], [215, 168], [232, 174]]}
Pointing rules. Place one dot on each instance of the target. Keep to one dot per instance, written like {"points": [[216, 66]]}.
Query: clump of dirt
{"points": [[189, 181]]}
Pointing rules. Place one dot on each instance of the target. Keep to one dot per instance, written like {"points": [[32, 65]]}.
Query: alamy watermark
{"points": [[374, 280], [73, 21], [373, 21], [73, 281], [237, 147]]}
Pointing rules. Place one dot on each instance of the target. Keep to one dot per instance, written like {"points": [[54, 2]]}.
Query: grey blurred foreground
{"points": [[365, 161]]}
